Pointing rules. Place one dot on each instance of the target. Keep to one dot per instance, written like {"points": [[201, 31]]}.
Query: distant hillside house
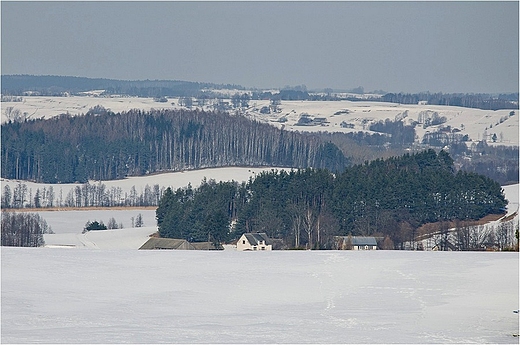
{"points": [[364, 243], [257, 241], [356, 243]]}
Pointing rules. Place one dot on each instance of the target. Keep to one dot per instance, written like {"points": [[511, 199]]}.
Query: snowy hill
{"points": [[477, 124]]}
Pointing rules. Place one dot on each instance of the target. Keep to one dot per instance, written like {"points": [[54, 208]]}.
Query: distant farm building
{"points": [[355, 243]]}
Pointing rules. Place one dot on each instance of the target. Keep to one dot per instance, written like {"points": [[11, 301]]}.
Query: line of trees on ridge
{"points": [[110, 146], [84, 195]]}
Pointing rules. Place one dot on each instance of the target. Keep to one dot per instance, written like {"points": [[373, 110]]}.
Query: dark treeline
{"points": [[306, 208], [499, 163], [480, 101], [59, 85], [112, 146], [400, 133], [23, 229], [17, 85]]}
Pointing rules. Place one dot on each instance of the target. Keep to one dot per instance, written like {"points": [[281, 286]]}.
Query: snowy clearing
{"points": [[127, 296]]}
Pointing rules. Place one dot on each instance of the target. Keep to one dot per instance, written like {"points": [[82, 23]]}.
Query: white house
{"points": [[257, 241]]}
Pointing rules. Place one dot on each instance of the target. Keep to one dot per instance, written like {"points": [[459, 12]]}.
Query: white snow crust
{"points": [[52, 295]]}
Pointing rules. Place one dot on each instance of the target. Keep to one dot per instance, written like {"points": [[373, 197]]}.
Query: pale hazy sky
{"points": [[395, 46]]}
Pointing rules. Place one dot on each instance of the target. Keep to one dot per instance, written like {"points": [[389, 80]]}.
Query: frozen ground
{"points": [[52, 295]]}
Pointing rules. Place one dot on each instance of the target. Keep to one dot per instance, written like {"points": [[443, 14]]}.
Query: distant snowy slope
{"points": [[473, 122], [74, 221], [476, 123], [38, 107]]}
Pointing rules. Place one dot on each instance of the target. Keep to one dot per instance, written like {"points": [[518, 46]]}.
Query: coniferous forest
{"points": [[305, 208], [111, 146]]}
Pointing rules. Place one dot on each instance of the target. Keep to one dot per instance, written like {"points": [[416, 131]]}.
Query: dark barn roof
{"points": [[167, 243], [364, 241], [179, 244]]}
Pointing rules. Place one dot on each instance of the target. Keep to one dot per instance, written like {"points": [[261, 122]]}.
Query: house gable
{"points": [[254, 241]]}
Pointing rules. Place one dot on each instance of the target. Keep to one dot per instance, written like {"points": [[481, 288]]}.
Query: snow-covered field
{"points": [[473, 122], [38, 107], [511, 192], [52, 295], [477, 124], [121, 295]]}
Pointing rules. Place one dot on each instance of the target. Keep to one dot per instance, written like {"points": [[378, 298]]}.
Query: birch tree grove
{"points": [[112, 146]]}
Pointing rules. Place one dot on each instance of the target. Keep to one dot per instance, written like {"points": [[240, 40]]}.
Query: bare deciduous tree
{"points": [[23, 229]]}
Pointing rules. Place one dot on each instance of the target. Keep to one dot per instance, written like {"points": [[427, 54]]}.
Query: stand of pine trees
{"points": [[306, 208]]}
